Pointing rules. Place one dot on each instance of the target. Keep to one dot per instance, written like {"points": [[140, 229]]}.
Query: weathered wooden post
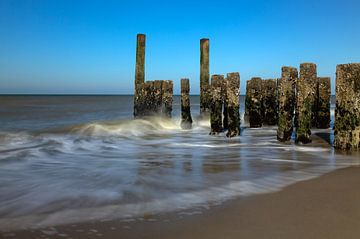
{"points": [[204, 77], [305, 104], [225, 108], [145, 99], [269, 101], [323, 102], [232, 92], [167, 98], [186, 120], [157, 95], [247, 98], [216, 104], [286, 101], [255, 103], [139, 73], [347, 113]]}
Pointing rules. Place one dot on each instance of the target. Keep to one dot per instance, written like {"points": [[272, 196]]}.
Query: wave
{"points": [[176, 202]]}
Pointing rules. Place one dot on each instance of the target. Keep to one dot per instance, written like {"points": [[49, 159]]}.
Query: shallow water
{"points": [[66, 159]]}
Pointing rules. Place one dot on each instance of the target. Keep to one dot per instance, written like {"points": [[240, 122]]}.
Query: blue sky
{"points": [[86, 47]]}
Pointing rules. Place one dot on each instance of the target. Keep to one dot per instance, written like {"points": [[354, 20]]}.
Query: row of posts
{"points": [[290, 102], [297, 101]]}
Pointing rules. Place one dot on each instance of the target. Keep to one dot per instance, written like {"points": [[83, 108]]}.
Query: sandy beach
{"points": [[325, 207]]}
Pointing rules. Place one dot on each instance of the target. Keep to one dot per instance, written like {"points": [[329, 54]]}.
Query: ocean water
{"points": [[69, 159]]}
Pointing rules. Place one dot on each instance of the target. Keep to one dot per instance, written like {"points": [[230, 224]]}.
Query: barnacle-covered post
{"points": [[157, 96], [145, 100], [139, 74], [305, 104], [255, 103], [167, 98], [232, 103], [216, 104], [323, 103], [204, 77], [347, 113], [186, 120], [269, 101], [286, 101]]}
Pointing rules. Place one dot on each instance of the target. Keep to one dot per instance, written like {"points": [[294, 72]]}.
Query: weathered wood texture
{"points": [[204, 77], [216, 104], [306, 89], [139, 73], [247, 98], [286, 102], [347, 113], [154, 98], [232, 103], [323, 103], [167, 98], [269, 102], [186, 120], [255, 103]]}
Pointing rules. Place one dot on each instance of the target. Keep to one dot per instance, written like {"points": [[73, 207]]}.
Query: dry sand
{"points": [[326, 207]]}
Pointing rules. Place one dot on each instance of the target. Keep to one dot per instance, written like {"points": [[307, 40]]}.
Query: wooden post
{"points": [[186, 120], [232, 103], [255, 103], [347, 113], [167, 98], [225, 108], [247, 98], [145, 99], [204, 77], [216, 104], [286, 101], [305, 104], [139, 72], [157, 96], [323, 102], [269, 102]]}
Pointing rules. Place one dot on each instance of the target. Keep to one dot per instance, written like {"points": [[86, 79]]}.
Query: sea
{"points": [[71, 159]]}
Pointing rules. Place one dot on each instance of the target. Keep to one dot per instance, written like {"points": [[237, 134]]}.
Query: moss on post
{"points": [[323, 103], [139, 73], [347, 113], [216, 104], [204, 77], [255, 103], [269, 102], [232, 103], [186, 120], [286, 102], [247, 98], [305, 104], [167, 98]]}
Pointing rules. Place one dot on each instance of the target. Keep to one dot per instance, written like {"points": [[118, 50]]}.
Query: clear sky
{"points": [[68, 46]]}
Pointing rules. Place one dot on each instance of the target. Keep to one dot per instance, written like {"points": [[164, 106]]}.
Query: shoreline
{"points": [[324, 207]]}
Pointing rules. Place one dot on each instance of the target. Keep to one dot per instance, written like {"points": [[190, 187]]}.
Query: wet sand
{"points": [[325, 207]]}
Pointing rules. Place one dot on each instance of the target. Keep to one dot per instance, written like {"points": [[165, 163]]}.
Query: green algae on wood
{"points": [[255, 103], [323, 103], [204, 77], [286, 102], [186, 120], [347, 112], [216, 104], [305, 102], [269, 102], [231, 100], [167, 98], [139, 72]]}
